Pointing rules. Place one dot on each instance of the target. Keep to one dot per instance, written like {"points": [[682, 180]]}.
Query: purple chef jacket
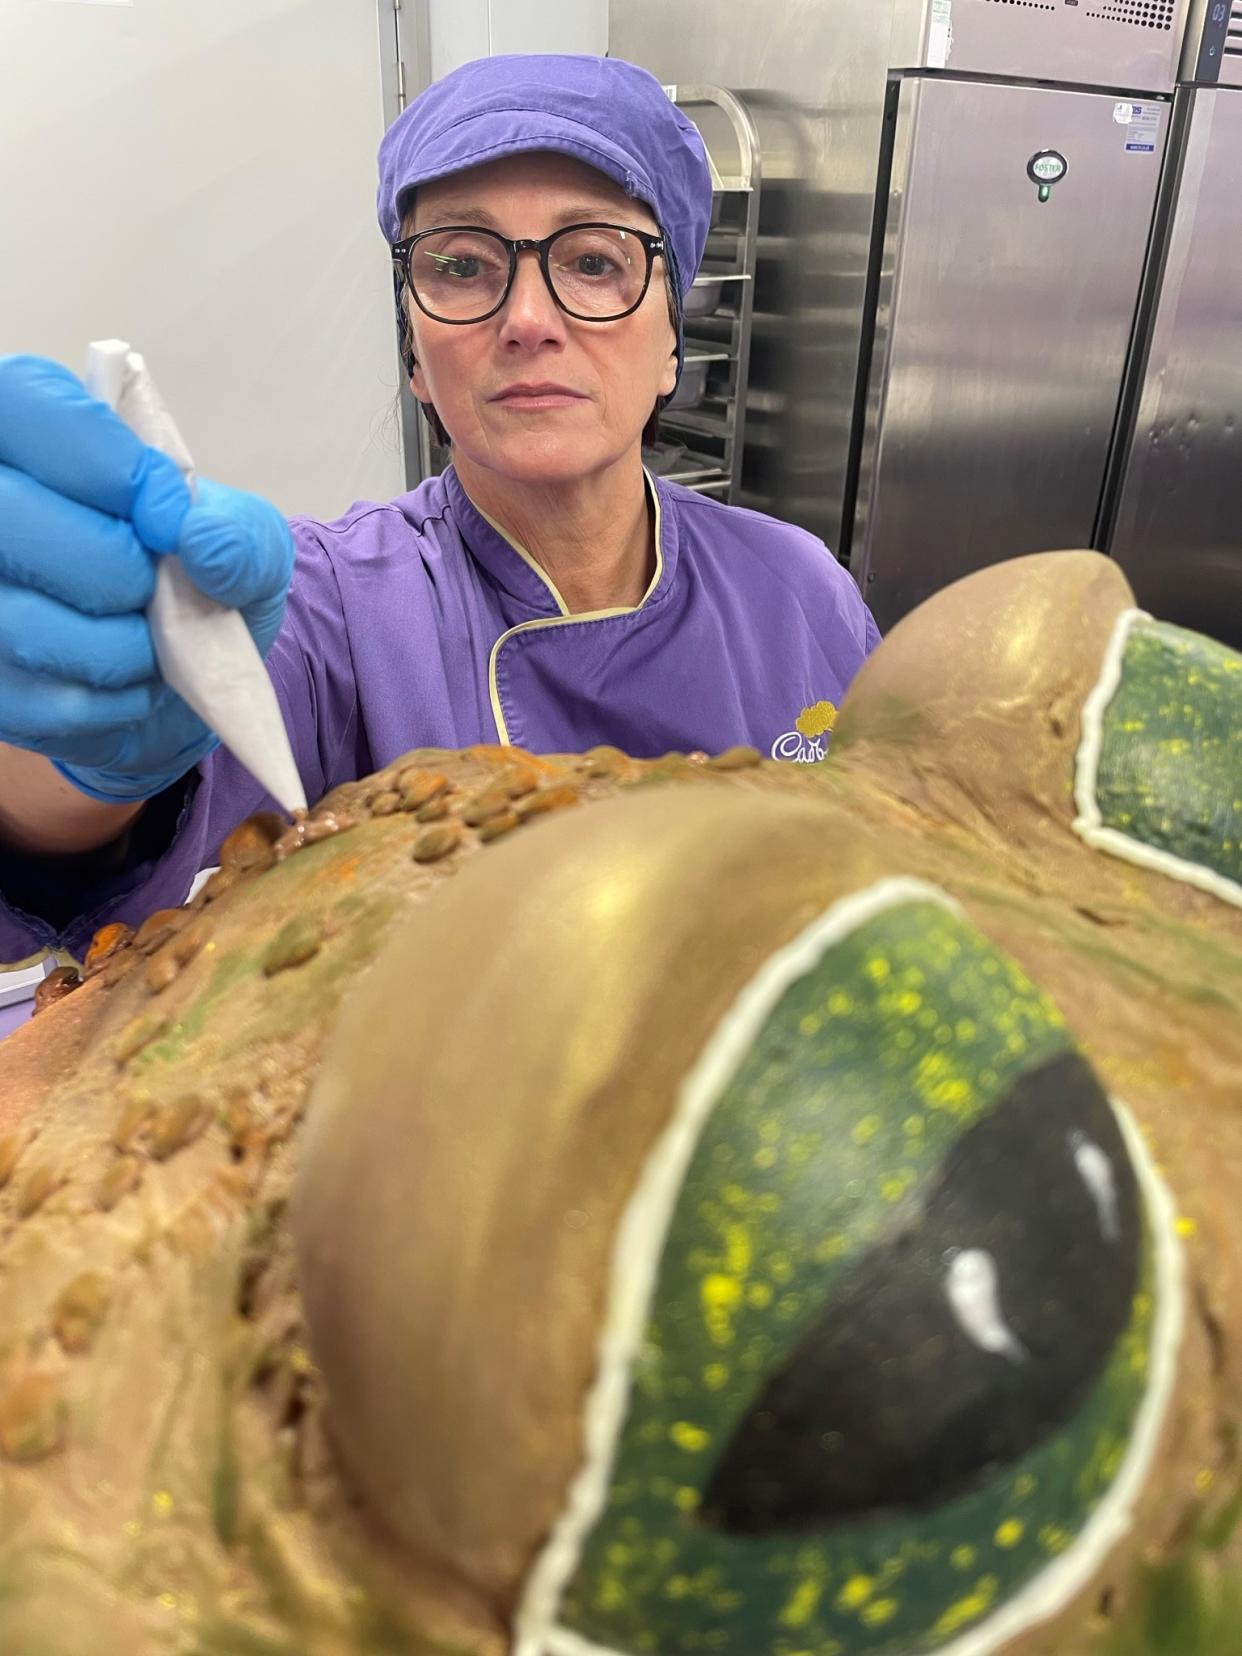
{"points": [[420, 624]]}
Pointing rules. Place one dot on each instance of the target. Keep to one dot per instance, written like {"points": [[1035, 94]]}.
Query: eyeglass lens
{"points": [[461, 275]]}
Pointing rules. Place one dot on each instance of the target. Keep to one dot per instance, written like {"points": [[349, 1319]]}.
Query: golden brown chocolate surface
{"points": [[168, 1480]]}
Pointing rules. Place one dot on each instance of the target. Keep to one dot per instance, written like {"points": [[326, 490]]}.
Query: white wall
{"points": [[198, 176], [465, 29]]}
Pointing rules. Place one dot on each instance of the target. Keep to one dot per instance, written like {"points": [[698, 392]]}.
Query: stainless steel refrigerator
{"points": [[1017, 194], [1174, 521]]}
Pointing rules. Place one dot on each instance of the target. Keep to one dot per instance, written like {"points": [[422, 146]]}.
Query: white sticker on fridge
{"points": [[940, 34], [1143, 130]]}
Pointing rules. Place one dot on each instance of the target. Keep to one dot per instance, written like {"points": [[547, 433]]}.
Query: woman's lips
{"points": [[538, 396]]}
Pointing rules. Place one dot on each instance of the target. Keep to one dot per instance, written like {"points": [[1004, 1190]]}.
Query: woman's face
{"points": [[607, 374]]}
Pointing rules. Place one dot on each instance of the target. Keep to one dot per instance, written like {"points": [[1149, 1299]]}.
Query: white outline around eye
{"points": [[639, 1245]]}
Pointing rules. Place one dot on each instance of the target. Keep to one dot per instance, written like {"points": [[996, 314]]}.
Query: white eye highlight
{"points": [[970, 1287], [1096, 1172]]}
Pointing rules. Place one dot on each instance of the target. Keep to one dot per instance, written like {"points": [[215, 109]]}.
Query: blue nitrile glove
{"points": [[84, 505]]}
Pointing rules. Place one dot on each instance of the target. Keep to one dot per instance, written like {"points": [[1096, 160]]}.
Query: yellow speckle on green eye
{"points": [[810, 1024], [1009, 1533], [913, 1126], [738, 1251], [878, 1612], [932, 1066], [831, 1247], [907, 1003], [952, 1094], [969, 1608], [963, 1557], [1053, 1539], [765, 1156], [720, 1292], [693, 1439], [893, 1188], [759, 1295], [610, 1594], [803, 1603], [839, 1003], [856, 1592], [686, 1499], [866, 1129], [1024, 1486], [877, 969], [720, 1296], [716, 1376]]}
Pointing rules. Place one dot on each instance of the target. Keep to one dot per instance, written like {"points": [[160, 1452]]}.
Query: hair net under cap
{"points": [[608, 113]]}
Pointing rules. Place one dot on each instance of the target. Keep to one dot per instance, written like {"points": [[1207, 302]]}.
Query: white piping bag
{"points": [[204, 649]]}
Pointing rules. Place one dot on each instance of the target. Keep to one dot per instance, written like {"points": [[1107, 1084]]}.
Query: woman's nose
{"points": [[530, 315]]}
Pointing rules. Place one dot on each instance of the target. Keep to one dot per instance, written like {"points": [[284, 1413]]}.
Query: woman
{"points": [[546, 214]]}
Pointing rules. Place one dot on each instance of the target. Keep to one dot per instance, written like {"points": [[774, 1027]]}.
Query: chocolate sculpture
{"points": [[744, 1208]]}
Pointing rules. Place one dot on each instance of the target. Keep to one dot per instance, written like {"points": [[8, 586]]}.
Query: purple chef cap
{"points": [[608, 113]]}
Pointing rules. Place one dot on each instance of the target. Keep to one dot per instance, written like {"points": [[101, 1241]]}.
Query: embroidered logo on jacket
{"points": [[807, 742]]}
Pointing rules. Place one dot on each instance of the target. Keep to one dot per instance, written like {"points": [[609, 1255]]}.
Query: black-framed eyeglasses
{"points": [[459, 273]]}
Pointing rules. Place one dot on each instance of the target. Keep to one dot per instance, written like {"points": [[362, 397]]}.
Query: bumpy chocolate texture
{"points": [[700, 1205]]}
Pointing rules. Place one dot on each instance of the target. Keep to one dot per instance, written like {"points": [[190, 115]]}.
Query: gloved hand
{"points": [[84, 506]]}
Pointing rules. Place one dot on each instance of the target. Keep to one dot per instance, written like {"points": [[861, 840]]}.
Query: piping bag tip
{"points": [[204, 649], [206, 654]]}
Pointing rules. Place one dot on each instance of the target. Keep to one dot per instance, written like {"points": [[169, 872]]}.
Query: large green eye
{"points": [[881, 1323], [951, 1346], [1160, 768]]}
